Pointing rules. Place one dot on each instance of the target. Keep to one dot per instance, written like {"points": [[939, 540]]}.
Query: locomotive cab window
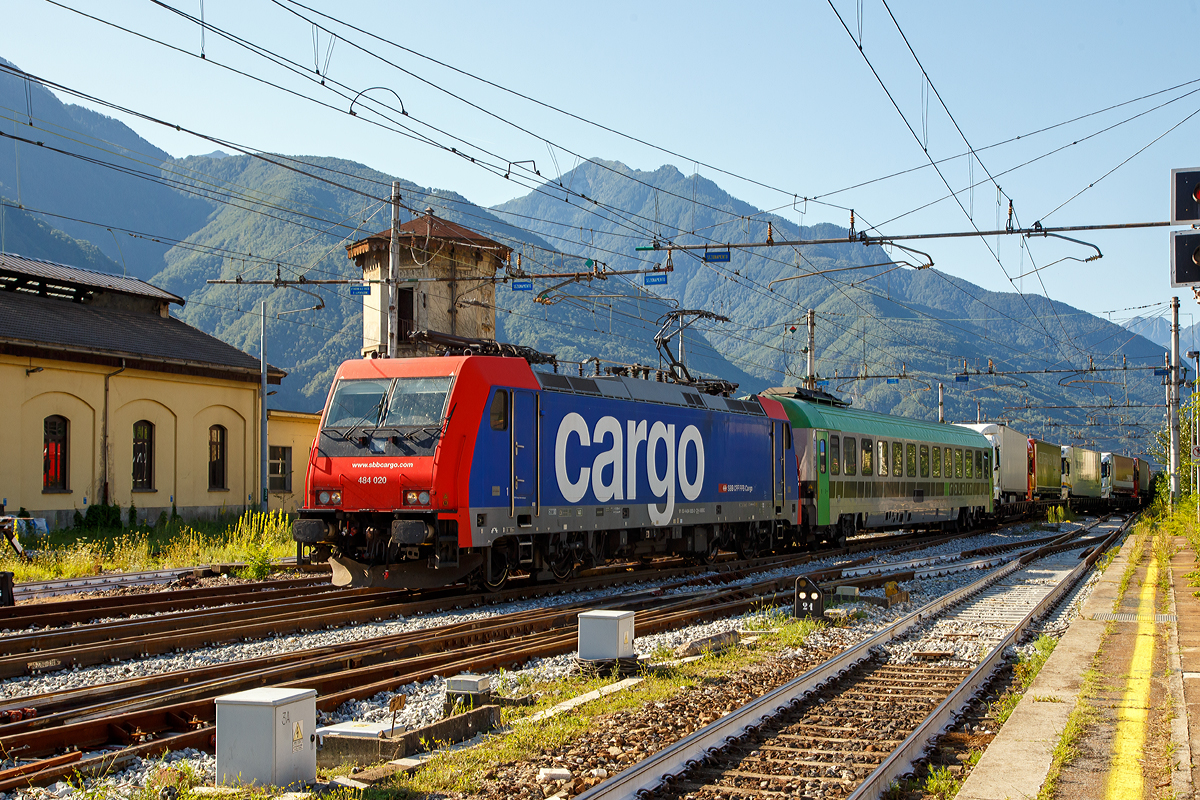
{"points": [[835, 456], [910, 452], [787, 437], [499, 411], [937, 462], [883, 458], [924, 461], [849, 465], [418, 401], [868, 448]]}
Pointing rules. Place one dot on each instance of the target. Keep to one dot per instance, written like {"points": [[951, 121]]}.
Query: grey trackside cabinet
{"points": [[606, 635], [265, 737]]}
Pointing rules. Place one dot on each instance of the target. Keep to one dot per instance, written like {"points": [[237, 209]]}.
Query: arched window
{"points": [[143, 455], [216, 458], [54, 454]]}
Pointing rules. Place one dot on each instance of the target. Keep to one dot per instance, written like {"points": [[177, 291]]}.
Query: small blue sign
{"points": [[717, 257], [962, 378], [893, 380], [522, 286], [359, 290], [655, 279], [822, 383], [1161, 373]]}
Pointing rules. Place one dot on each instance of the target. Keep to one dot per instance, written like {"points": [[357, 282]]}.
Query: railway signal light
{"points": [[1185, 196], [1185, 258]]}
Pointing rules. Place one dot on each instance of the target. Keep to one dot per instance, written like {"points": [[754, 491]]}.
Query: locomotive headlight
{"points": [[413, 497], [336, 498], [323, 498]]}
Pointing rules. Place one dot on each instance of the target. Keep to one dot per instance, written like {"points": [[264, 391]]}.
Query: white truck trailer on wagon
{"points": [[1010, 460]]}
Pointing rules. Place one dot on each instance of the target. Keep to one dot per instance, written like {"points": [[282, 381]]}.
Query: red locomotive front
{"points": [[384, 481]]}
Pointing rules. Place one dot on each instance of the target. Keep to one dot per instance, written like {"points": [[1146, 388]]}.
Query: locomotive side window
{"points": [[897, 460], [911, 460], [924, 461], [849, 464], [787, 437], [868, 449], [500, 410], [835, 456], [958, 463], [883, 458], [937, 462], [821, 455]]}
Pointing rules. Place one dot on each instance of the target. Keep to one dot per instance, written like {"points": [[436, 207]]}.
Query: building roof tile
{"points": [[55, 325], [22, 274]]}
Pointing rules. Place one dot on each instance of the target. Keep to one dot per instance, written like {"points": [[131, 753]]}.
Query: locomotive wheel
{"points": [[747, 545], [500, 572], [565, 546]]}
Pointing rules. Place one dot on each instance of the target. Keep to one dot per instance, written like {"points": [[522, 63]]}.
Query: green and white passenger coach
{"points": [[865, 471]]}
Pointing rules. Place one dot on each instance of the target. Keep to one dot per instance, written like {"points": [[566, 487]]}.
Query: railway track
{"points": [[94, 728], [853, 725]]}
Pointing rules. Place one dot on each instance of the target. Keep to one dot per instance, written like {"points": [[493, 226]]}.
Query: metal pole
{"points": [[262, 404], [393, 337], [1173, 411], [811, 381], [941, 402]]}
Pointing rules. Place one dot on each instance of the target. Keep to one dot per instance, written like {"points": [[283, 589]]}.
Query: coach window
{"points": [[835, 456], [968, 469], [979, 473], [821, 455], [54, 454], [849, 464], [924, 461], [883, 458], [868, 449], [958, 463], [500, 410], [987, 462], [937, 462], [911, 459]]}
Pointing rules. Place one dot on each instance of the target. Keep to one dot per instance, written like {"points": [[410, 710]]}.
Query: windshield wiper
{"points": [[378, 408]]}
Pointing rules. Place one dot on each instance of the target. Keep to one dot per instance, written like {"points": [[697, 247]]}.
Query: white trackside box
{"points": [[606, 635], [265, 737]]}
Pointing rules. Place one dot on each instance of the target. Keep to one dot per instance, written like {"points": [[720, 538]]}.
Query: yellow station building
{"points": [[107, 398]]}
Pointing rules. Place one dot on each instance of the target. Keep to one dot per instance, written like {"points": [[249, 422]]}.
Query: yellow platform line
{"points": [[1125, 780]]}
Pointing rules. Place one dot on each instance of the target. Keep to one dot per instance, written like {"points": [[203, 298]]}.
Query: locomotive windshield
{"points": [[417, 401], [400, 402]]}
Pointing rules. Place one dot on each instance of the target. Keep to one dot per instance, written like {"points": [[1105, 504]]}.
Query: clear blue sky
{"points": [[775, 92]]}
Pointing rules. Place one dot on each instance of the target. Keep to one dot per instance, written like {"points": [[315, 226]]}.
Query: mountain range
{"points": [[890, 327]]}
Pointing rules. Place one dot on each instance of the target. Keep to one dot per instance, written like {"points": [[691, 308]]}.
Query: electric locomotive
{"points": [[431, 471]]}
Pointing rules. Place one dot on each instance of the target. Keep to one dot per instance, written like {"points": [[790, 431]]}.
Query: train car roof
{"points": [[853, 420]]}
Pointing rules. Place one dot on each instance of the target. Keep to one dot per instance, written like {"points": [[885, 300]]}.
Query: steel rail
{"points": [[644, 777]]}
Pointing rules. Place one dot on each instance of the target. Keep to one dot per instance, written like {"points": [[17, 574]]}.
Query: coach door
{"points": [[779, 466], [822, 441], [525, 430]]}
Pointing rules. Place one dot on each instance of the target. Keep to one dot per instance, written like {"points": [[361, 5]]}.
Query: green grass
{"points": [[1026, 669], [941, 783], [255, 538]]}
